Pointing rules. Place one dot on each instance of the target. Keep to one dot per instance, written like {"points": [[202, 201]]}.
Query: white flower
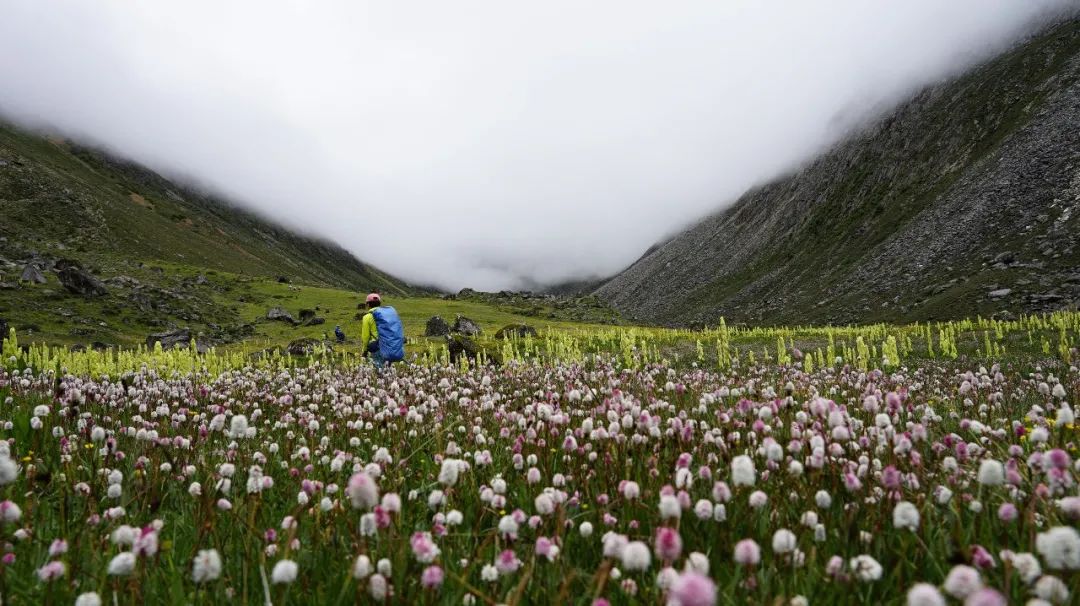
{"points": [[962, 581], [10, 512], [362, 567], [9, 470], [823, 499], [383, 567], [238, 427], [122, 564], [1060, 548], [195, 489], [669, 507], [1027, 566], [991, 472], [865, 568], [362, 491], [697, 562], [489, 573], [905, 516], [448, 473], [124, 535], [585, 529], [943, 495], [507, 526], [742, 471], [635, 556], [284, 572], [543, 503], [924, 594], [454, 518], [88, 599], [613, 543], [377, 587], [207, 566], [1052, 589], [784, 541]]}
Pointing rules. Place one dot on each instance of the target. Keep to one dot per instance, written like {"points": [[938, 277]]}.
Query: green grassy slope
{"points": [[65, 201]]}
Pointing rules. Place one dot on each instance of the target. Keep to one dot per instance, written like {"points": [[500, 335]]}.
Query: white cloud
{"points": [[495, 142]]}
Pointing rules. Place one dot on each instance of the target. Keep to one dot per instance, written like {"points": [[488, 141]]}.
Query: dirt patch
{"points": [[141, 201]]}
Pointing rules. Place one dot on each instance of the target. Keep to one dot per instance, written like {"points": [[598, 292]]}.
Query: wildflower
{"points": [[1060, 548], [10, 512], [238, 427], [635, 556], [823, 499], [986, 597], [585, 529], [758, 499], [432, 577], [89, 598], [906, 516], [284, 572], [991, 473], [489, 573], [865, 568], [122, 564], [207, 566], [361, 567], [378, 588], [448, 473], [362, 491], [424, 549], [51, 571], [613, 544], [669, 507], [9, 470], [668, 544], [1027, 566], [962, 581], [742, 471], [924, 594], [543, 503], [747, 552], [1052, 589], [507, 562], [784, 541], [692, 589]]}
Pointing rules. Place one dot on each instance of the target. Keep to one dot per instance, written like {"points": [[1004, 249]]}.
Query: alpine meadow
{"points": [[700, 305]]}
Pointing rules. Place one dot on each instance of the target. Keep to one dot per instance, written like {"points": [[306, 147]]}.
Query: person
{"points": [[381, 333], [340, 334]]}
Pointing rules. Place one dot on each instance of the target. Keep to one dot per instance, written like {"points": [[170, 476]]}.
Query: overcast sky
{"points": [[483, 143]]}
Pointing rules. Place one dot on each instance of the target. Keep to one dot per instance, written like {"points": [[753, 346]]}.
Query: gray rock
{"points": [[79, 281], [306, 315], [465, 326], [436, 327], [999, 293], [278, 314], [32, 274], [304, 347], [177, 338], [515, 331]]}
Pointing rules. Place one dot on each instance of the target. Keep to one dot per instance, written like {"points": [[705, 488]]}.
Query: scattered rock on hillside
{"points": [[124, 282], [461, 346], [999, 293], [177, 338], [32, 274], [303, 347], [280, 315], [79, 281], [511, 331], [465, 326], [317, 320], [306, 315], [436, 327]]}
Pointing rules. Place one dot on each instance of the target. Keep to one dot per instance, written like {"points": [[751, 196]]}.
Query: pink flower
{"points": [[668, 544], [507, 562], [986, 597], [51, 571], [432, 577], [424, 549], [1007, 512], [747, 552], [981, 558], [693, 589]]}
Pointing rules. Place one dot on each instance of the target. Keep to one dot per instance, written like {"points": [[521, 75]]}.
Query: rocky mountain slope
{"points": [[97, 251], [59, 200], [964, 201]]}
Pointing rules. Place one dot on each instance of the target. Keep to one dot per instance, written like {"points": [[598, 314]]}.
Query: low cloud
{"points": [[477, 143]]}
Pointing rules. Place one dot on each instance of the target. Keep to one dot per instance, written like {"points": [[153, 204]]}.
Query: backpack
{"points": [[391, 333]]}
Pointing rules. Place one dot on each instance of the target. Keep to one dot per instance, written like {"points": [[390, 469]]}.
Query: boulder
{"points": [[79, 281], [515, 331], [32, 274], [280, 315], [436, 327], [303, 347], [4, 330], [461, 346], [306, 315], [1001, 292], [465, 326], [176, 338], [317, 320]]}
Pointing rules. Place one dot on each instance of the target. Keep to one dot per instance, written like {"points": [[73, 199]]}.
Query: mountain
{"points": [[96, 250], [965, 200], [60, 199]]}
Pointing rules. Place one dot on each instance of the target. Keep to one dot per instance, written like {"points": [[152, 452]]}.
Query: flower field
{"points": [[877, 466]]}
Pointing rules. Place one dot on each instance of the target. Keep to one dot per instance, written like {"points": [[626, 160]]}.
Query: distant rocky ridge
{"points": [[964, 201]]}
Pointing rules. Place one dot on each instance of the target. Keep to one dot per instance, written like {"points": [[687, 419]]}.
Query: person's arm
{"points": [[367, 331]]}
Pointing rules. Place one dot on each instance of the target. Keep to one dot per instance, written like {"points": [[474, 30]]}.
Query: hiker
{"points": [[381, 333], [340, 334]]}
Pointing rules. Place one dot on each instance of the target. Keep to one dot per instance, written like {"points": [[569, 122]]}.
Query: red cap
{"points": [[374, 298]]}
